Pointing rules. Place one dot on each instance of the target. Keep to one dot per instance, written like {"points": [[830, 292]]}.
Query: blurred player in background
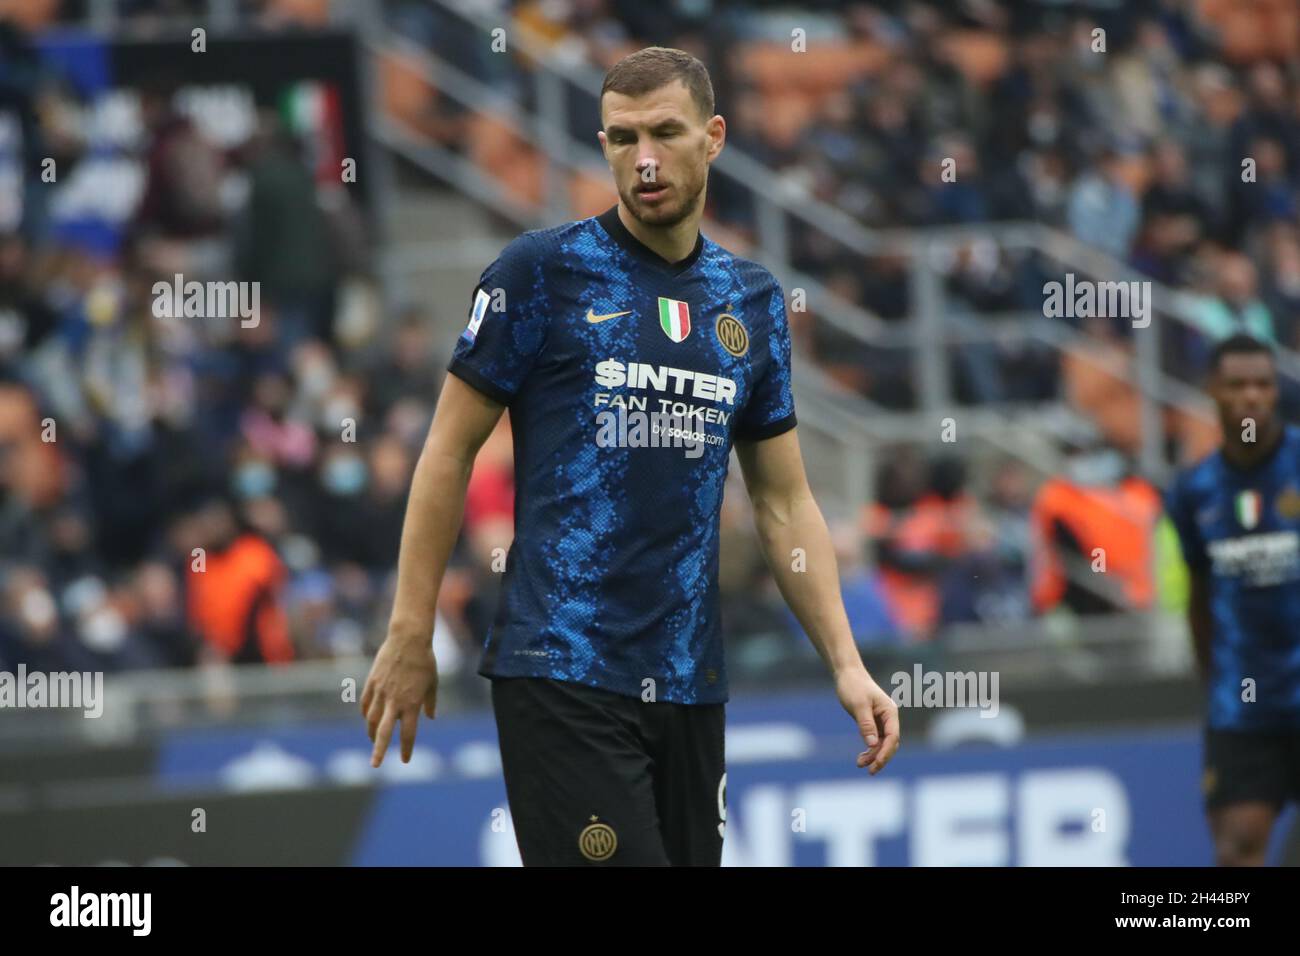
{"points": [[606, 653], [1238, 515]]}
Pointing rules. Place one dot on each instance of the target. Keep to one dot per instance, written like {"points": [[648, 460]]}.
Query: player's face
{"points": [[659, 149], [1245, 387]]}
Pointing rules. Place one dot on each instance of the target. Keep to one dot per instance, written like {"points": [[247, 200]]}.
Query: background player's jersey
{"points": [[586, 334], [1242, 527]]}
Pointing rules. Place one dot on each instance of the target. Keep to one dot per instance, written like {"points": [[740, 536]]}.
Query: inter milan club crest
{"points": [[674, 318], [598, 841], [1248, 509], [1288, 504], [731, 334]]}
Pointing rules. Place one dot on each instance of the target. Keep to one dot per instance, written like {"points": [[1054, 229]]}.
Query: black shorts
{"points": [[595, 777], [1251, 766]]}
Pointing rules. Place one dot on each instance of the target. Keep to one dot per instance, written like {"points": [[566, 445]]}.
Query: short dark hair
{"points": [[1238, 344], [655, 66]]}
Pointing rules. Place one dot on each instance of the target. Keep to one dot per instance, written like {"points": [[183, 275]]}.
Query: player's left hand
{"points": [[875, 714], [403, 680]]}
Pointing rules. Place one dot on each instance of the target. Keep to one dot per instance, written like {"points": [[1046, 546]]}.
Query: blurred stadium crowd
{"points": [[172, 436], [1132, 140]]}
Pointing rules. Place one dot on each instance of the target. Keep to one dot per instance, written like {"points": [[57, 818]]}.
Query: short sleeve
{"points": [[1180, 511], [770, 409], [507, 324]]}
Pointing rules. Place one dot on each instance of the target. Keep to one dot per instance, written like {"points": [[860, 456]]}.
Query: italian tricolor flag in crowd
{"points": [[1248, 509], [312, 111], [675, 318]]}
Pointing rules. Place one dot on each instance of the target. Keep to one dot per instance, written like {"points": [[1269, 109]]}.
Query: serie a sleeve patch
{"points": [[481, 299]]}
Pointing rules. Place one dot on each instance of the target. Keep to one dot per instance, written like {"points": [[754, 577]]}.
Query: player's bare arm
{"points": [[404, 678], [787, 517]]}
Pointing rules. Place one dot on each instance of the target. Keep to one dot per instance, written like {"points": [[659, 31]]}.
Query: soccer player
{"points": [[605, 655], [1238, 516]]}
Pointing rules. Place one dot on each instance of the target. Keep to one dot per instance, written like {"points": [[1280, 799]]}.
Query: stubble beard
{"points": [[661, 218]]}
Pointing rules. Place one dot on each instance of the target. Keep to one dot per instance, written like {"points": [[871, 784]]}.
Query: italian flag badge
{"points": [[1248, 503], [674, 318]]}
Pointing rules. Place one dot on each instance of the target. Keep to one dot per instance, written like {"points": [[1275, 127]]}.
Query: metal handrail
{"points": [[927, 334], [851, 319], [850, 232], [734, 162]]}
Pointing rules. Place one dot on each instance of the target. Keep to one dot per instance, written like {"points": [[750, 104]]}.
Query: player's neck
{"points": [[1248, 454], [671, 243]]}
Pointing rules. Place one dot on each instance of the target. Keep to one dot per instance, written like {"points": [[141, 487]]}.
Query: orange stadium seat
{"points": [[980, 55], [825, 68], [1097, 384], [1254, 29], [591, 194], [497, 150], [406, 95], [32, 15], [794, 85], [312, 13], [786, 115]]}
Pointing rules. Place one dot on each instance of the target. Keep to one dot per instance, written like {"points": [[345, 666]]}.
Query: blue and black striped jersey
{"points": [[627, 379], [1241, 527]]}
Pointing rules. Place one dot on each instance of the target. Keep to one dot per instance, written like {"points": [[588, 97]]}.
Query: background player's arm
{"points": [[787, 517], [1199, 619], [1180, 507], [404, 675]]}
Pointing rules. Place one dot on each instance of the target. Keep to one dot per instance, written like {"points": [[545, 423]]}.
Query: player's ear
{"points": [[716, 130], [604, 143]]}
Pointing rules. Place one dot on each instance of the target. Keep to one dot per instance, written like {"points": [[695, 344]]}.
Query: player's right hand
{"points": [[403, 679], [875, 713]]}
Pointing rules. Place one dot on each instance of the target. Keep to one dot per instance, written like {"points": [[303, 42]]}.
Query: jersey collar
{"points": [[610, 222]]}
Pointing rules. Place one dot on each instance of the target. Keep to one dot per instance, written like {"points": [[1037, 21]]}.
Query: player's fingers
{"points": [[889, 718], [410, 721], [868, 755], [375, 715], [865, 717], [431, 701], [366, 693], [383, 736], [880, 749], [888, 747], [867, 727]]}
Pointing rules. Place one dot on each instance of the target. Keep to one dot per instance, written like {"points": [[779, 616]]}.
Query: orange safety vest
{"points": [[1119, 521], [930, 524], [235, 600]]}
